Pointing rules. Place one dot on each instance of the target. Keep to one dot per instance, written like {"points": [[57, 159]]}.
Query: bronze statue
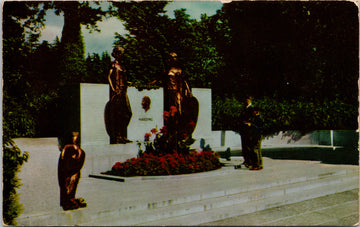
{"points": [[71, 160], [178, 97], [118, 110]]}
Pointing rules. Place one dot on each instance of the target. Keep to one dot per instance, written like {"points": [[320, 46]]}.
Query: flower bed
{"points": [[167, 152], [168, 164]]}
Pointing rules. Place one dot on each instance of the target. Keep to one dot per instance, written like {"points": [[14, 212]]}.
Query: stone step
{"points": [[218, 207], [265, 200], [148, 199], [339, 209]]}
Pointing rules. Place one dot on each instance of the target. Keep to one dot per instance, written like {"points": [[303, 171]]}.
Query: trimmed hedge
{"points": [[283, 115]]}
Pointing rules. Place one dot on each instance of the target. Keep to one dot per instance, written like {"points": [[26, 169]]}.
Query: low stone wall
{"points": [[221, 140]]}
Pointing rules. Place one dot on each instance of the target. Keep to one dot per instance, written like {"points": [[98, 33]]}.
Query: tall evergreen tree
{"points": [[97, 68], [72, 50]]}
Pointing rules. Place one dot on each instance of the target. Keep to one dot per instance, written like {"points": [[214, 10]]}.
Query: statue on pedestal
{"points": [[179, 102], [118, 110]]}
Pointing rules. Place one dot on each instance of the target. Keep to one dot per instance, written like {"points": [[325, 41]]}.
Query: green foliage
{"points": [[298, 59], [13, 159], [293, 49], [72, 65], [18, 101], [33, 72], [16, 119], [29, 87], [282, 115], [302, 67], [97, 68], [152, 35], [225, 111], [143, 57]]}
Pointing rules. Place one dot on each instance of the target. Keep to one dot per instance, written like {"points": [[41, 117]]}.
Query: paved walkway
{"points": [[40, 194], [340, 209]]}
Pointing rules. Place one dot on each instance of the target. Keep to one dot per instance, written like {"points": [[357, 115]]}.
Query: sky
{"points": [[100, 42]]}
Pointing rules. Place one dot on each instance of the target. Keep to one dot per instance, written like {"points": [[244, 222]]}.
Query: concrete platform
{"points": [[339, 209], [191, 199]]}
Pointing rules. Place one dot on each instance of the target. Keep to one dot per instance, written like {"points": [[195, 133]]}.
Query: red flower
{"points": [[192, 158], [117, 165], [147, 136], [154, 131], [173, 111], [175, 163], [164, 130], [166, 114]]}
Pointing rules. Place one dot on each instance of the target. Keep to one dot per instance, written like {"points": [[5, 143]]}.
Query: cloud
{"points": [[98, 42], [53, 26], [51, 32], [194, 8], [95, 42]]}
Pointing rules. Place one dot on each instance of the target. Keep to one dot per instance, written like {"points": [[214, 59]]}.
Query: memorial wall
{"points": [[93, 98]]}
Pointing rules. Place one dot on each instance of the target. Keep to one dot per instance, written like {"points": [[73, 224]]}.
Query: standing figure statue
{"points": [[250, 129], [245, 119], [256, 129], [71, 160], [178, 100], [118, 110]]}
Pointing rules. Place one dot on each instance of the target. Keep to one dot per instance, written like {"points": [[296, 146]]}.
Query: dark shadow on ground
{"points": [[343, 155]]}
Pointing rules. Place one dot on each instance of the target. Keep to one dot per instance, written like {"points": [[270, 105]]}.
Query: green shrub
{"points": [[283, 115], [13, 159]]}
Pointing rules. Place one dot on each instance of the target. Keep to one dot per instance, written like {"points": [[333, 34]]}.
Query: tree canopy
{"points": [[298, 59], [295, 49], [153, 35]]}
